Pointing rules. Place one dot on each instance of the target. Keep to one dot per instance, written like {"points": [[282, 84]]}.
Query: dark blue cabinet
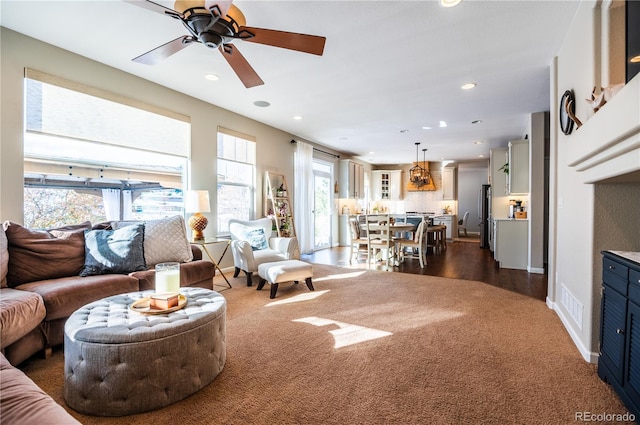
{"points": [[619, 360]]}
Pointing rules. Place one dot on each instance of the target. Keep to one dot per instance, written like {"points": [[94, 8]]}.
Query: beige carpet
{"points": [[373, 347]]}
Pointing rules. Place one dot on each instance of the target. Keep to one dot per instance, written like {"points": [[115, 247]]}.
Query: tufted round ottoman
{"points": [[118, 362]]}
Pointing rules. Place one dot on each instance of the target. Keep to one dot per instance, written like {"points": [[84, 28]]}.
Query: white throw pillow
{"points": [[165, 240]]}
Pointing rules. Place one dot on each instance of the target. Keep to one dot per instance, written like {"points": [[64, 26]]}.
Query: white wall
{"points": [[275, 152], [576, 215]]}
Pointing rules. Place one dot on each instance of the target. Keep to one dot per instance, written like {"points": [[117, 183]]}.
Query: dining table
{"points": [[395, 229]]}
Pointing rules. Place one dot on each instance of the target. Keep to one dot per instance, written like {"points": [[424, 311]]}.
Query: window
{"points": [[236, 178], [105, 156]]}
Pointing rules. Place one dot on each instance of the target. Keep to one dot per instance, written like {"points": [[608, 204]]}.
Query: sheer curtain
{"points": [[111, 198], [303, 201], [111, 201]]}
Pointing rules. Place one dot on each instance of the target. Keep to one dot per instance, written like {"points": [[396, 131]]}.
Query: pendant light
{"points": [[417, 173], [427, 175]]}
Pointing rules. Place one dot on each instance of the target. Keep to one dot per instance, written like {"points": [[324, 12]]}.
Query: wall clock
{"points": [[567, 108]]}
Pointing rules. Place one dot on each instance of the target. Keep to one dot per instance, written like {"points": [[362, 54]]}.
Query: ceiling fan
{"points": [[217, 25]]}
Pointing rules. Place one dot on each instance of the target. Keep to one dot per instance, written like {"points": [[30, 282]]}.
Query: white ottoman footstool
{"points": [[284, 271]]}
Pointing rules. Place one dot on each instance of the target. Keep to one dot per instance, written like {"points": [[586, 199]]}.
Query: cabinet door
{"points": [[518, 167], [358, 172], [395, 185], [498, 158], [612, 339], [632, 367], [376, 185], [449, 183]]}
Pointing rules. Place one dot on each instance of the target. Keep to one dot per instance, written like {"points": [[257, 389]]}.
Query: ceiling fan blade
{"points": [[240, 66], [160, 53], [306, 43], [155, 7]]}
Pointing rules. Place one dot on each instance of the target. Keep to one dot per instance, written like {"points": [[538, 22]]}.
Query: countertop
{"points": [[629, 255], [510, 219]]}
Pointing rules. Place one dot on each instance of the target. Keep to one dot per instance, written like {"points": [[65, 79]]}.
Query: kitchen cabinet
{"points": [[618, 363], [386, 185], [351, 179], [449, 183], [518, 180], [449, 220], [511, 243], [498, 157]]}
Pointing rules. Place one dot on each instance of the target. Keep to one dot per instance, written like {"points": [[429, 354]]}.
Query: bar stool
{"points": [[437, 237]]}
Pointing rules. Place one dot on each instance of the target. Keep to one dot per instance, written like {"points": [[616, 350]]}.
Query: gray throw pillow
{"points": [[165, 239], [114, 251]]}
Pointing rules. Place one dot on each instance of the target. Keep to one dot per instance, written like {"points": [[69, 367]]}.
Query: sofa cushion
{"points": [[20, 313], [44, 254], [23, 402], [114, 251], [193, 273], [65, 295], [4, 258], [165, 240]]}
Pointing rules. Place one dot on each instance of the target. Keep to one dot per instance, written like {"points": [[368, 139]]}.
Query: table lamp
{"points": [[197, 202]]}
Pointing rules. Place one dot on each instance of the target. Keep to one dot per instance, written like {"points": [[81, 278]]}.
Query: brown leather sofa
{"points": [[23, 402], [41, 287]]}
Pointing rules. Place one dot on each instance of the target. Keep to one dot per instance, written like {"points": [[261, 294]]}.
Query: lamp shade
{"points": [[197, 201]]}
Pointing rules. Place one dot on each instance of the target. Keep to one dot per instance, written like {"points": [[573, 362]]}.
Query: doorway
{"points": [[322, 178]]}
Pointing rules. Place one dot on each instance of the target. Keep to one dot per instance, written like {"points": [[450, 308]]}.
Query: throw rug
{"points": [[374, 347]]}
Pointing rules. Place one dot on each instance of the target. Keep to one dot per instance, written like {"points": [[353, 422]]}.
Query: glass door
{"points": [[322, 177]]}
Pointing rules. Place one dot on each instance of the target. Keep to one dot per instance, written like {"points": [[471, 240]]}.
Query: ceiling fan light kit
{"points": [[217, 26]]}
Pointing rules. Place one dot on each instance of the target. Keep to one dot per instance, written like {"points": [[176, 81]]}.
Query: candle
{"points": [[168, 277]]}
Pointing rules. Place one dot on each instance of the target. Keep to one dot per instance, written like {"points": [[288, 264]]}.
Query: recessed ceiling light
{"points": [[468, 86], [211, 77], [449, 3], [426, 127], [481, 156], [443, 124], [476, 121], [371, 153], [479, 142], [297, 117], [635, 59], [262, 103]]}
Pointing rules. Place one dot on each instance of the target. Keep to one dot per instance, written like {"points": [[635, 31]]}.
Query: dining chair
{"points": [[380, 238], [416, 247], [359, 244], [462, 223]]}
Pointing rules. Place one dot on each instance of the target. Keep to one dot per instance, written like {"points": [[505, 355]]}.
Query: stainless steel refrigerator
{"points": [[484, 215]]}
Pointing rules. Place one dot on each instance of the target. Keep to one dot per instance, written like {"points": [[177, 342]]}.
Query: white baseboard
{"points": [[536, 270], [587, 355]]}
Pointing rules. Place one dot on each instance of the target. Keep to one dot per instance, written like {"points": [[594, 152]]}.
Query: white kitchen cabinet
{"points": [[449, 186], [386, 185], [351, 179], [498, 158], [518, 167], [449, 220], [511, 243]]}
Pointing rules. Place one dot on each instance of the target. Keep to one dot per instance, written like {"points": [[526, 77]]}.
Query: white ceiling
{"points": [[387, 66]]}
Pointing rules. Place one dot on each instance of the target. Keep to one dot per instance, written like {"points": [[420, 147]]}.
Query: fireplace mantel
{"points": [[607, 147]]}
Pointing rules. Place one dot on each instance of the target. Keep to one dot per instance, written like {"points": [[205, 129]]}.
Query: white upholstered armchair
{"points": [[252, 244]]}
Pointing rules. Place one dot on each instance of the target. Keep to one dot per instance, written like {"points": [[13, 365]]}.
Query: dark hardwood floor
{"points": [[461, 260]]}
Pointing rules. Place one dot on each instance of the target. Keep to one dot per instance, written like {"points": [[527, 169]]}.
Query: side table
{"points": [[212, 241]]}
